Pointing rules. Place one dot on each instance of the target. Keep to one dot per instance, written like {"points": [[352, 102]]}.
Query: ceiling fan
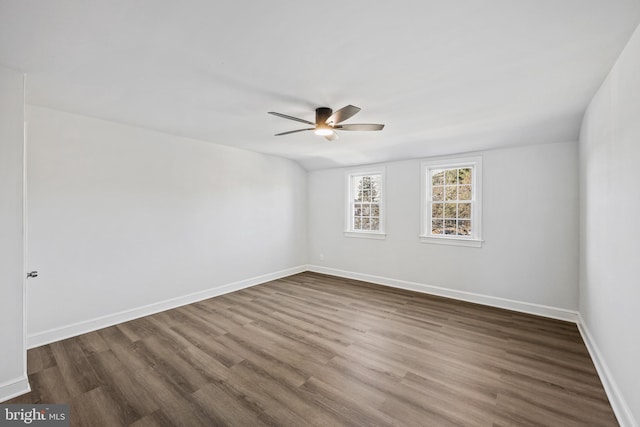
{"points": [[327, 122]]}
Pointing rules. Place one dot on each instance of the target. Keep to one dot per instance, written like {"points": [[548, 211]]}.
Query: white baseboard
{"points": [[72, 330], [524, 307], [619, 405], [14, 388]]}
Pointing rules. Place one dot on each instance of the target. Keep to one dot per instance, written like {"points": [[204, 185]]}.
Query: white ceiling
{"points": [[444, 77]]}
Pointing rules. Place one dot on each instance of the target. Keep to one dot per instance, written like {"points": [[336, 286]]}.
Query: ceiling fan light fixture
{"points": [[323, 131]]}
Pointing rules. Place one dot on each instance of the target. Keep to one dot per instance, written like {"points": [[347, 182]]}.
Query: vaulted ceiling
{"points": [[444, 77]]}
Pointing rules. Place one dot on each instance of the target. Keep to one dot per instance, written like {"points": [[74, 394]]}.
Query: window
{"points": [[365, 207], [451, 208]]}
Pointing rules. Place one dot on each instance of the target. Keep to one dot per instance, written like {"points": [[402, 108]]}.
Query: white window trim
{"points": [[348, 226], [475, 240]]}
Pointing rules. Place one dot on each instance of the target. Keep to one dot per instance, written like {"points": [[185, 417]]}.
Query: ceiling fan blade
{"points": [[361, 126], [284, 116], [293, 131], [342, 114], [331, 137]]}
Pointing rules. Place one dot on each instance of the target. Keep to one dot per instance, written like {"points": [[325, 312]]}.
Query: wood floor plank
{"points": [[77, 373], [114, 374], [239, 409], [311, 349], [156, 419], [92, 343], [286, 395], [448, 399], [407, 414], [344, 405], [101, 406], [40, 358], [213, 347], [287, 367]]}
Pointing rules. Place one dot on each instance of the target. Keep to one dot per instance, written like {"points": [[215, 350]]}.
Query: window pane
{"points": [[357, 223], [437, 226], [464, 192], [369, 187], [365, 224], [451, 176], [361, 183], [375, 187], [366, 210], [375, 224], [464, 227], [437, 210], [450, 210], [437, 177], [437, 193], [464, 210], [375, 210], [368, 182], [464, 175], [357, 209], [450, 226], [356, 188], [452, 193]]}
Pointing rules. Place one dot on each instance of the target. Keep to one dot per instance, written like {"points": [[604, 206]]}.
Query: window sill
{"points": [[365, 235], [452, 241]]}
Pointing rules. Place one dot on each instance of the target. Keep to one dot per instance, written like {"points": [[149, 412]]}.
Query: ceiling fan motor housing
{"points": [[322, 114]]}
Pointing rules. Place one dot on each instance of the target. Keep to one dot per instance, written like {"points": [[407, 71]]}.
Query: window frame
{"points": [[349, 231], [426, 166]]}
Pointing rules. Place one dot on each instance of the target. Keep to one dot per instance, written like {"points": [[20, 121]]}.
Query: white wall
{"points": [[13, 380], [530, 212], [121, 217], [610, 231]]}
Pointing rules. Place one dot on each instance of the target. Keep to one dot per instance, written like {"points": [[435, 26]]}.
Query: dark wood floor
{"points": [[318, 350]]}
